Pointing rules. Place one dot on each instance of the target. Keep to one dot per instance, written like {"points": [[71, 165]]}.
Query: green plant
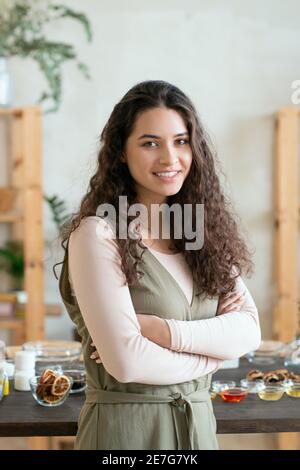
{"points": [[12, 261], [58, 209], [22, 33], [12, 254]]}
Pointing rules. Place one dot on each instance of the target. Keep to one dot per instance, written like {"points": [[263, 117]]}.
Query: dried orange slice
{"points": [[51, 398], [60, 385], [48, 376], [45, 382]]}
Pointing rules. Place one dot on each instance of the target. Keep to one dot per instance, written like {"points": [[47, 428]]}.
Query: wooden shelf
{"points": [[11, 111], [53, 310], [25, 151], [287, 216], [11, 217], [286, 224], [17, 325], [11, 322]]}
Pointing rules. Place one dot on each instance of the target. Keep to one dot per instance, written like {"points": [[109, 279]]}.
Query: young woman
{"points": [[161, 314]]}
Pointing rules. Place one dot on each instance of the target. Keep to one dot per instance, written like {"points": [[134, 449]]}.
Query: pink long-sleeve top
{"points": [[197, 347]]}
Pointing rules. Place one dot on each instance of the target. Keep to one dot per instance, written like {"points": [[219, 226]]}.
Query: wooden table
{"points": [[20, 415]]}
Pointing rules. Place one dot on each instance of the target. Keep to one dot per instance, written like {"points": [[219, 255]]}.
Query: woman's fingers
{"points": [[233, 302], [235, 298], [237, 303], [94, 355]]}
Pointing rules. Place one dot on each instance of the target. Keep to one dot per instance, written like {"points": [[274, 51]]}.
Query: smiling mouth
{"points": [[166, 174]]}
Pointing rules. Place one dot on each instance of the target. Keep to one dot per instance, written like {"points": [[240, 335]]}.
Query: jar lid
{"points": [[54, 350]]}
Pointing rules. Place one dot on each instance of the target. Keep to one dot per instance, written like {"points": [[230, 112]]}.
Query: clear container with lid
{"points": [[63, 353], [292, 353], [268, 352]]}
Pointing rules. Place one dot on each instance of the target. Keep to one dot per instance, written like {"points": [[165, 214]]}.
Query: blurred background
{"points": [[239, 63]]}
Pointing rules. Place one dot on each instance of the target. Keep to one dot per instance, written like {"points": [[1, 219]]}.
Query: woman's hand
{"points": [[95, 355], [230, 302], [152, 327]]}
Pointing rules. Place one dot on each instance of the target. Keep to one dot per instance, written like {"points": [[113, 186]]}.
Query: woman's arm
{"points": [[107, 309], [225, 336], [157, 329]]}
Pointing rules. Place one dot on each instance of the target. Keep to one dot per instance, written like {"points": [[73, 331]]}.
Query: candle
{"points": [[22, 380], [25, 360]]}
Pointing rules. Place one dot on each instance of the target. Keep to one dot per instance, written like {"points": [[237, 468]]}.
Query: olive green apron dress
{"points": [[138, 416]]}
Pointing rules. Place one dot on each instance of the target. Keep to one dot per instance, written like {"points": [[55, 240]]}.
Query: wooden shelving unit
{"points": [[285, 318], [24, 153], [287, 215]]}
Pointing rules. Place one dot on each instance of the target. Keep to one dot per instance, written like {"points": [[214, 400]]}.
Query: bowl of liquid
{"points": [[272, 392], [234, 395], [219, 385], [293, 389]]}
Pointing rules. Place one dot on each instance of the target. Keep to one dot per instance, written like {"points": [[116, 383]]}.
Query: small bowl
{"points": [[43, 395], [253, 386], [219, 385], [79, 380], [234, 395], [293, 389], [272, 392]]}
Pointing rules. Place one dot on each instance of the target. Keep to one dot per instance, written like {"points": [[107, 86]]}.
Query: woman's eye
{"points": [[146, 144], [180, 141]]}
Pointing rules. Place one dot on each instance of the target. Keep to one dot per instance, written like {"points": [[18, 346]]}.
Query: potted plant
{"points": [[22, 34], [58, 209], [12, 254], [12, 261]]}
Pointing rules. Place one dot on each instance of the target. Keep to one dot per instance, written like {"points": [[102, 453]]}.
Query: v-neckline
{"points": [[190, 305]]}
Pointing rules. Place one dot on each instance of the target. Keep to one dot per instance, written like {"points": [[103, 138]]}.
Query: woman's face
{"points": [[159, 143]]}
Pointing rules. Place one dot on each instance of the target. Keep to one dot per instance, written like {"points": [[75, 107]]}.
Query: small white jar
{"points": [[25, 360], [22, 379]]}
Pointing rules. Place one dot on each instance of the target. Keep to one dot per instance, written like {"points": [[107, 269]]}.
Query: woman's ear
{"points": [[123, 158]]}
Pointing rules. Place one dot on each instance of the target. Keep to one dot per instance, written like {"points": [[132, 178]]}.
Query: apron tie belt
{"points": [[181, 404]]}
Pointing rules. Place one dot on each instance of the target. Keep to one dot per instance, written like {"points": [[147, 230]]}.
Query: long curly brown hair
{"points": [[223, 248]]}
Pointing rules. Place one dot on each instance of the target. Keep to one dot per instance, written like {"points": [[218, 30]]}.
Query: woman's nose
{"points": [[168, 158]]}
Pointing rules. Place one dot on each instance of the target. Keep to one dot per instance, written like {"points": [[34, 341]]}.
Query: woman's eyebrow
{"points": [[153, 136]]}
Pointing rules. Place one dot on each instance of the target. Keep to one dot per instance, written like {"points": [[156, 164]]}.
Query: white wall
{"points": [[236, 59]]}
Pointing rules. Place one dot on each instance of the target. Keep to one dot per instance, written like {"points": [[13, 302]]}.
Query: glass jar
{"points": [[60, 353], [268, 352], [292, 353]]}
